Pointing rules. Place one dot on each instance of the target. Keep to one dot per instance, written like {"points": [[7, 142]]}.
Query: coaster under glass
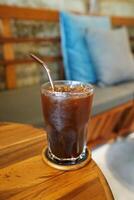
{"points": [[67, 166]]}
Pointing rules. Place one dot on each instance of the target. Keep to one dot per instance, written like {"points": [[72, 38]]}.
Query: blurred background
{"points": [[26, 75]]}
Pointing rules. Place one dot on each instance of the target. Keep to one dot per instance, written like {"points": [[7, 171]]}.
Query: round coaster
{"points": [[79, 164]]}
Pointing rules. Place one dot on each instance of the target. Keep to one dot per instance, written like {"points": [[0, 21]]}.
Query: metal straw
{"points": [[46, 68]]}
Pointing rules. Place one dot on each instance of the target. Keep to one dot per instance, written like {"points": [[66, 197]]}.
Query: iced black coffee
{"points": [[66, 111]]}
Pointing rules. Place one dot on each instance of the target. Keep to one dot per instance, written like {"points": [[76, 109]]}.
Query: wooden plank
{"points": [[127, 118], [103, 125], [100, 126], [132, 127], [47, 39], [9, 12], [24, 141], [118, 20], [124, 132], [114, 120], [35, 40], [49, 15], [20, 151], [122, 21], [8, 54], [20, 61], [106, 128]]}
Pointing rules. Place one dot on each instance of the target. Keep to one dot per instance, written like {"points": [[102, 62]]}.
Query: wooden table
{"points": [[24, 175]]}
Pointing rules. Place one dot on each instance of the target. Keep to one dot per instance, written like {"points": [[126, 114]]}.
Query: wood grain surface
{"points": [[25, 175], [18, 142]]}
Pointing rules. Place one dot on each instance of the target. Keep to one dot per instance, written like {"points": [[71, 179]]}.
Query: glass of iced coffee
{"points": [[66, 112]]}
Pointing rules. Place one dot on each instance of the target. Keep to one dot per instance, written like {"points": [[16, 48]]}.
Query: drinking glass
{"points": [[67, 115]]}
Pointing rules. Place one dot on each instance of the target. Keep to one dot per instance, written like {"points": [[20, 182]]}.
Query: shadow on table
{"points": [[120, 161]]}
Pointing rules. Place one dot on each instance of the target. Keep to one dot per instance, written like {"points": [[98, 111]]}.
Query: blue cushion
{"points": [[111, 55], [76, 58]]}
